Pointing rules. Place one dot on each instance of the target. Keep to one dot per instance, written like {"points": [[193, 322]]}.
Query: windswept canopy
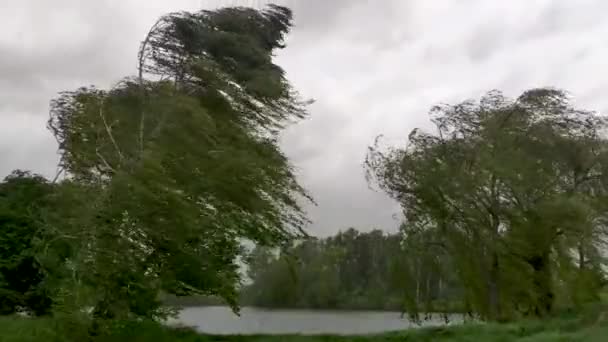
{"points": [[186, 156], [512, 187]]}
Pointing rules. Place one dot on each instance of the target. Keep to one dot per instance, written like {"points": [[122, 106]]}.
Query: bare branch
{"points": [[60, 170], [109, 130], [104, 161]]}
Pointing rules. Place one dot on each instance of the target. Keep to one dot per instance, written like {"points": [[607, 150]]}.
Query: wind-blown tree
{"points": [[185, 163], [512, 187]]}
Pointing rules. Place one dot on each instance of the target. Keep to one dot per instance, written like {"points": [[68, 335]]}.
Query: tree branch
{"points": [[105, 162], [60, 170], [142, 93], [109, 131]]}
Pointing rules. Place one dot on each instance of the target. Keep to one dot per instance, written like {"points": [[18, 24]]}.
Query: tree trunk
{"points": [[428, 287], [494, 290], [542, 284], [418, 290], [581, 256]]}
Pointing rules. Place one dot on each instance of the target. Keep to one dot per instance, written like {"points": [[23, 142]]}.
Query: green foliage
{"points": [[228, 50], [24, 198], [351, 270], [511, 190], [49, 330], [170, 175], [168, 172]]}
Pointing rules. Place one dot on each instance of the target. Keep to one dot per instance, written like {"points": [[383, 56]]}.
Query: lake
{"points": [[220, 320]]}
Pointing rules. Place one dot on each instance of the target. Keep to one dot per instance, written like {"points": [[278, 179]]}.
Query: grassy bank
{"points": [[49, 330]]}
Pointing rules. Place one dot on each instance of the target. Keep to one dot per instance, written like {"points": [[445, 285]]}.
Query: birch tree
{"points": [[183, 159]]}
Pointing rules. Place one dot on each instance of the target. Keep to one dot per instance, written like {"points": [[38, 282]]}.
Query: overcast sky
{"points": [[374, 67]]}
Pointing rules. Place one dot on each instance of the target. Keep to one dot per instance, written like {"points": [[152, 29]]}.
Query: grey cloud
{"points": [[341, 205], [486, 41], [310, 16], [24, 145], [344, 199], [96, 55], [373, 67], [319, 16], [567, 16]]}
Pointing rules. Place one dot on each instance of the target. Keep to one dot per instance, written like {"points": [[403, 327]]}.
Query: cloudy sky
{"points": [[373, 66]]}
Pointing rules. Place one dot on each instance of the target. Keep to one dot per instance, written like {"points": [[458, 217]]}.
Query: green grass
{"points": [[565, 329]]}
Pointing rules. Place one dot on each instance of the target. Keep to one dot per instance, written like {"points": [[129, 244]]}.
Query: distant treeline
{"points": [[351, 270]]}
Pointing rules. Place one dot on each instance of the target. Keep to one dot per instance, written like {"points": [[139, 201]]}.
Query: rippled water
{"points": [[221, 320]]}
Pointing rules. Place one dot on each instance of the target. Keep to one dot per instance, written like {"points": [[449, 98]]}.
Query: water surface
{"points": [[221, 320]]}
